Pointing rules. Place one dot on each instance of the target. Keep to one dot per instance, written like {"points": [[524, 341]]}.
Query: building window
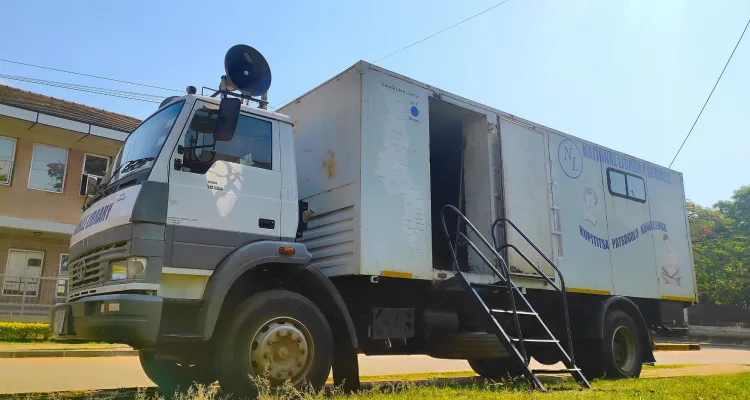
{"points": [[7, 153], [625, 185], [250, 146], [22, 273], [94, 170], [48, 166], [62, 280]]}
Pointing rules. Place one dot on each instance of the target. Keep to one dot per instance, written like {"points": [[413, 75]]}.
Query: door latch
{"points": [[178, 164]]}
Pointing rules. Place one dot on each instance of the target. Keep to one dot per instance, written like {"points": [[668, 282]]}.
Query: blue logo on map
{"points": [[414, 111]]}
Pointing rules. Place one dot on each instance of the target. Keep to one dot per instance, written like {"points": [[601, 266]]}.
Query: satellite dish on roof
{"points": [[247, 70]]}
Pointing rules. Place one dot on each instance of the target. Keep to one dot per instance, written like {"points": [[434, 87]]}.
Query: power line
{"points": [[88, 89], [417, 42], [709, 95], [35, 80], [439, 32], [88, 75]]}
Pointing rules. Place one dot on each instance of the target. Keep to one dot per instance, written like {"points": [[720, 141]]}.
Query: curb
{"points": [[66, 353], [677, 346]]}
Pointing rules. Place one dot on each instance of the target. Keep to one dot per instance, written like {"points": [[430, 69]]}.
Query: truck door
{"points": [[668, 224], [578, 211], [228, 198], [631, 249]]}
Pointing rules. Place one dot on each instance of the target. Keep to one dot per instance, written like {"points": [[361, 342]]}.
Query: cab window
{"points": [[250, 146]]}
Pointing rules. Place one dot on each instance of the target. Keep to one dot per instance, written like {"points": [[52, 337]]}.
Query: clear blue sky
{"points": [[630, 75]]}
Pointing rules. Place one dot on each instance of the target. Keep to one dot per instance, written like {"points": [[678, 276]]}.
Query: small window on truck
{"points": [[625, 185], [251, 145]]}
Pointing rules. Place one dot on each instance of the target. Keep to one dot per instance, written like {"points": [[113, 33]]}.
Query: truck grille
{"points": [[90, 268]]}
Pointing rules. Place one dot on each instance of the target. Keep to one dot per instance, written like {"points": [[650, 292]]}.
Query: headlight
{"points": [[129, 268]]}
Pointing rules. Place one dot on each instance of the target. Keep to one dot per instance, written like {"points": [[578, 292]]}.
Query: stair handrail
{"points": [[510, 286], [562, 289], [526, 238], [468, 241], [476, 232], [541, 273]]}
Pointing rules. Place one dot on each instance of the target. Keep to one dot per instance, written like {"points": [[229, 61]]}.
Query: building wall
{"points": [[21, 202], [46, 294], [30, 206]]}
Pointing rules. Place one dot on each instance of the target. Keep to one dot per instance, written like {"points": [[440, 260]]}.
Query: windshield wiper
{"points": [[124, 167]]}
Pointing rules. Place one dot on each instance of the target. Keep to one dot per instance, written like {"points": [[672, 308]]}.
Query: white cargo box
{"points": [[379, 154]]}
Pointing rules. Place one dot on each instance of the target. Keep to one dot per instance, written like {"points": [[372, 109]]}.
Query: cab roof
{"points": [[245, 109]]}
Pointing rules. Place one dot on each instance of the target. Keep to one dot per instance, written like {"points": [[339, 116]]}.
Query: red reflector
{"points": [[286, 251]]}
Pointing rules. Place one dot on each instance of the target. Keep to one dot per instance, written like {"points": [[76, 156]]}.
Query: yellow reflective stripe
{"points": [[589, 291], [678, 298], [396, 274]]}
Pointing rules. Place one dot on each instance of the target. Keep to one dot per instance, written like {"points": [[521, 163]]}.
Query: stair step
{"points": [[489, 286], [535, 340], [555, 371], [511, 312]]}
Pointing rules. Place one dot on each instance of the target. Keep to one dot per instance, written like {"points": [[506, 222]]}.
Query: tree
{"points": [[738, 209], [721, 252], [56, 171]]}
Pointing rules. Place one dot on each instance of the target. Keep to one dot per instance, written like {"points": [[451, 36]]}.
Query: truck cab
{"points": [[178, 201]]}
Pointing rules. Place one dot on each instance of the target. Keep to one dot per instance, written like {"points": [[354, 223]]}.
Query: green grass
{"points": [[461, 374], [705, 387], [735, 386], [670, 366]]}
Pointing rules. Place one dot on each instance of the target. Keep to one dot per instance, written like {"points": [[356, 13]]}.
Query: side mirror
{"points": [[226, 121]]}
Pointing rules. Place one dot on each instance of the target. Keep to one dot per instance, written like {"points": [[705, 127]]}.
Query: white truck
{"points": [[378, 215]]}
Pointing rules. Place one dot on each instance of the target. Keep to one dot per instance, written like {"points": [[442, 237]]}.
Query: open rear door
{"points": [[526, 195]]}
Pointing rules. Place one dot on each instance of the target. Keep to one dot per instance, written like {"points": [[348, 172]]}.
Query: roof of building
{"points": [[36, 102]]}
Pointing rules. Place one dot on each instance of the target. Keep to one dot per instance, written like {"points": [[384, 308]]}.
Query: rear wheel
{"points": [[278, 335], [618, 355], [496, 368], [622, 346], [171, 376]]}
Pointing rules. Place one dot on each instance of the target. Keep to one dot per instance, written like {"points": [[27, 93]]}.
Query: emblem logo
{"points": [[81, 273], [570, 158]]}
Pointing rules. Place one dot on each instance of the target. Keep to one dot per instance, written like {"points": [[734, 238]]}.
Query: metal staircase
{"points": [[505, 322]]}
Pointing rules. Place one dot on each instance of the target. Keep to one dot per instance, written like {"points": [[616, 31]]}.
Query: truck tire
{"points": [[171, 376], [618, 355], [622, 346], [496, 368], [278, 335]]}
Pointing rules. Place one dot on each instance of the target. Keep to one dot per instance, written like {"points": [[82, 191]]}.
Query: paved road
{"points": [[54, 374]]}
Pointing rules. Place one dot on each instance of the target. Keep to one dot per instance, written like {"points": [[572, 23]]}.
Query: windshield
{"points": [[147, 140]]}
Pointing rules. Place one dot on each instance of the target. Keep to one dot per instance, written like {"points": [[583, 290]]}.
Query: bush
{"points": [[24, 332]]}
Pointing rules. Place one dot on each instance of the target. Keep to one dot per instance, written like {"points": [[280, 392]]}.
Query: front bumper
{"points": [[117, 318]]}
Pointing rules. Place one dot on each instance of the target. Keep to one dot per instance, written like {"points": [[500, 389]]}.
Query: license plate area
{"points": [[61, 320]]}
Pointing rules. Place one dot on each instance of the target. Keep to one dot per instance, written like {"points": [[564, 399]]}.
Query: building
{"points": [[51, 152]]}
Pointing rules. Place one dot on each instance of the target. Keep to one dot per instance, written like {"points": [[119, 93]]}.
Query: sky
{"points": [[629, 75]]}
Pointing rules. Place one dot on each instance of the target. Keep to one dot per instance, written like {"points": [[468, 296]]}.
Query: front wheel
{"points": [[171, 376], [277, 335]]}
